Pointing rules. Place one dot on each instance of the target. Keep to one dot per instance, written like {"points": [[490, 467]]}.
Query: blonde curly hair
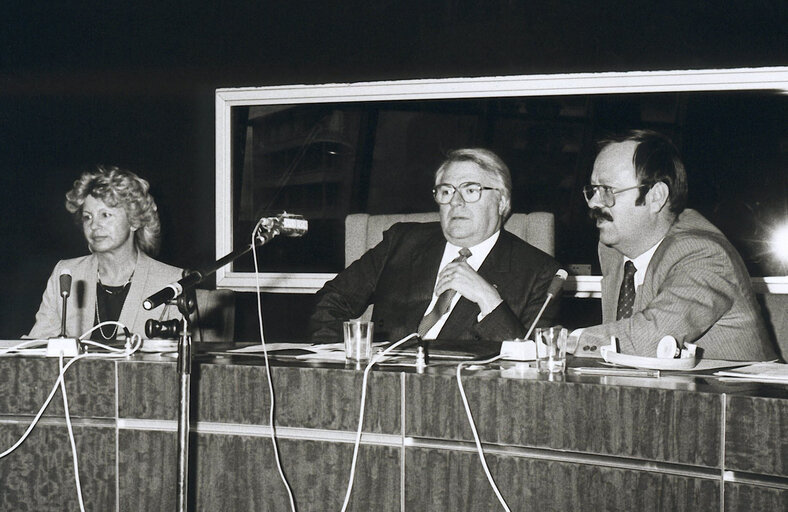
{"points": [[120, 188]]}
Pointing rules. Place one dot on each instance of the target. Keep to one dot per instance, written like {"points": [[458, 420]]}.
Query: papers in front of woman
{"points": [[764, 372]]}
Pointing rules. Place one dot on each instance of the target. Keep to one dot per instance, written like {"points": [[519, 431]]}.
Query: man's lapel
{"points": [[612, 274], [426, 258]]}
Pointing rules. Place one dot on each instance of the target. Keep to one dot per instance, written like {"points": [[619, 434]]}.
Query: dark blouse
{"points": [[109, 303]]}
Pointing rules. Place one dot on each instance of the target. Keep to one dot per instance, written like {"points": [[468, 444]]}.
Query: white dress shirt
{"points": [[479, 253], [641, 264]]}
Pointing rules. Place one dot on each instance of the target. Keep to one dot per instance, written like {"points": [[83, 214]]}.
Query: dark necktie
{"points": [[443, 302], [626, 296]]}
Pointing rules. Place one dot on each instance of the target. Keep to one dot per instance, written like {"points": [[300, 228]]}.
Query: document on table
{"points": [[330, 352], [272, 347], [762, 372]]}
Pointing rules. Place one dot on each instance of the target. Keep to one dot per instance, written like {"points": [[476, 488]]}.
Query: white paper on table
{"points": [[764, 371], [272, 347]]}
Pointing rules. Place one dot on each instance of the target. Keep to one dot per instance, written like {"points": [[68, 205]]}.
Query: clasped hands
{"points": [[461, 277]]}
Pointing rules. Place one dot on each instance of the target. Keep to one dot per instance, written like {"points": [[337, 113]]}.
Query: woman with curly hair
{"points": [[120, 222]]}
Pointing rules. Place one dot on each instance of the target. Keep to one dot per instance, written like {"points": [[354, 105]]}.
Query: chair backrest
{"points": [[217, 315], [364, 231], [775, 313]]}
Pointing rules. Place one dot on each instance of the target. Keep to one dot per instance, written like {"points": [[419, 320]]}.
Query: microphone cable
{"points": [[479, 447], [131, 347], [377, 357], [73, 443], [268, 370]]}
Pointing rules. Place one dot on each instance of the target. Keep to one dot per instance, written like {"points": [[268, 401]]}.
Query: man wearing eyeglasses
{"points": [[462, 278], [666, 270]]}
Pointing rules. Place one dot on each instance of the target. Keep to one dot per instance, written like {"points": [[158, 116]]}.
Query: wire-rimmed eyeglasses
{"points": [[607, 195], [469, 191]]}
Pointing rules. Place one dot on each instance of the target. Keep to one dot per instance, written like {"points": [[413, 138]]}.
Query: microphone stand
{"points": [[185, 306], [63, 316]]}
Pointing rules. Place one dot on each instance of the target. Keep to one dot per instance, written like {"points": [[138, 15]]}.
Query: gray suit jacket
{"points": [[149, 277], [696, 289]]}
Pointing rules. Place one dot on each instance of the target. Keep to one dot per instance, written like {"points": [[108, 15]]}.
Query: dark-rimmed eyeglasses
{"points": [[607, 195], [470, 192]]}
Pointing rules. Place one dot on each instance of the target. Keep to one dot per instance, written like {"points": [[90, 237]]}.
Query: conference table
{"points": [[619, 441]]}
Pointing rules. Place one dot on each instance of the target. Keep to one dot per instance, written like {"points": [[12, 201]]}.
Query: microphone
{"points": [[65, 291], [65, 283], [172, 290], [67, 347], [524, 350], [555, 287], [557, 283], [285, 224]]}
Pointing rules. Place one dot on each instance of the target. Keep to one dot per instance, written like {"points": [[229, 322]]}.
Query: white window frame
{"points": [[771, 78]]}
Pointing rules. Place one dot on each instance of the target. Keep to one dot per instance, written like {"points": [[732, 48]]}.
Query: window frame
{"points": [[769, 78]]}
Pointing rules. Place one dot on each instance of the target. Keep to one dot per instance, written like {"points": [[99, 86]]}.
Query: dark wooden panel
{"points": [[239, 474], [27, 381], [747, 498], [39, 474], [323, 398], [756, 437], [446, 480], [647, 423], [147, 470], [148, 389]]}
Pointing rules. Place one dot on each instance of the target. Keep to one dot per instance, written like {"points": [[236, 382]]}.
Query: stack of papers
{"points": [[763, 372]]}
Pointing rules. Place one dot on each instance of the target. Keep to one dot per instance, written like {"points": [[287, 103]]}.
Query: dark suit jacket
{"points": [[398, 277], [696, 289]]}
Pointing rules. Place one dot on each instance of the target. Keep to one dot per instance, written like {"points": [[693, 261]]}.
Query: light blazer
{"points": [[696, 289], [149, 277], [398, 277]]}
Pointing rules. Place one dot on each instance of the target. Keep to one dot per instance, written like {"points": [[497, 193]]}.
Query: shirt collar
{"points": [[641, 263], [479, 251]]}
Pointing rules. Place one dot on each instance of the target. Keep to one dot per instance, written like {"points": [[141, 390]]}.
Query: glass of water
{"points": [[551, 350]]}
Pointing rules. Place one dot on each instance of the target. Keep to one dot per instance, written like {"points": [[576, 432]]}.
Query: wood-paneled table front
{"points": [[589, 443]]}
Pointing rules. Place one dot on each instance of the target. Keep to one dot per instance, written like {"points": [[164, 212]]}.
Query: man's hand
{"points": [[461, 277]]}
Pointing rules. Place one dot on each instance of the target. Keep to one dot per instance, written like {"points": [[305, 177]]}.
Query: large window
{"points": [[330, 150]]}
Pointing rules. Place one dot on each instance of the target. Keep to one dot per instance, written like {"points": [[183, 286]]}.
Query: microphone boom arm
{"points": [[192, 278]]}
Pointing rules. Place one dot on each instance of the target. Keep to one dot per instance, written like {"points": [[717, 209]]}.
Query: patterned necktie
{"points": [[626, 296], [443, 302]]}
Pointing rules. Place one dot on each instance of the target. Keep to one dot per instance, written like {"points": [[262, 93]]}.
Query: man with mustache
{"points": [[666, 270], [496, 282]]}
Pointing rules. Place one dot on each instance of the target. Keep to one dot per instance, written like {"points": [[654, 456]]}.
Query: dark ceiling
{"points": [[93, 47]]}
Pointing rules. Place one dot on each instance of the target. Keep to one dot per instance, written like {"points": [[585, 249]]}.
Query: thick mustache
{"points": [[597, 213]]}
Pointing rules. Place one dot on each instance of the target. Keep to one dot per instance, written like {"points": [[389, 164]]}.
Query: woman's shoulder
{"points": [[157, 267], [74, 265]]}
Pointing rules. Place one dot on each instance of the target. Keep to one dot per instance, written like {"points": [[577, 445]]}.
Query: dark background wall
{"points": [[132, 84]]}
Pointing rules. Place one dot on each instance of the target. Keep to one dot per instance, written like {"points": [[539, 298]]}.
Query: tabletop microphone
{"points": [[65, 283], [63, 346], [65, 291], [555, 288]]}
